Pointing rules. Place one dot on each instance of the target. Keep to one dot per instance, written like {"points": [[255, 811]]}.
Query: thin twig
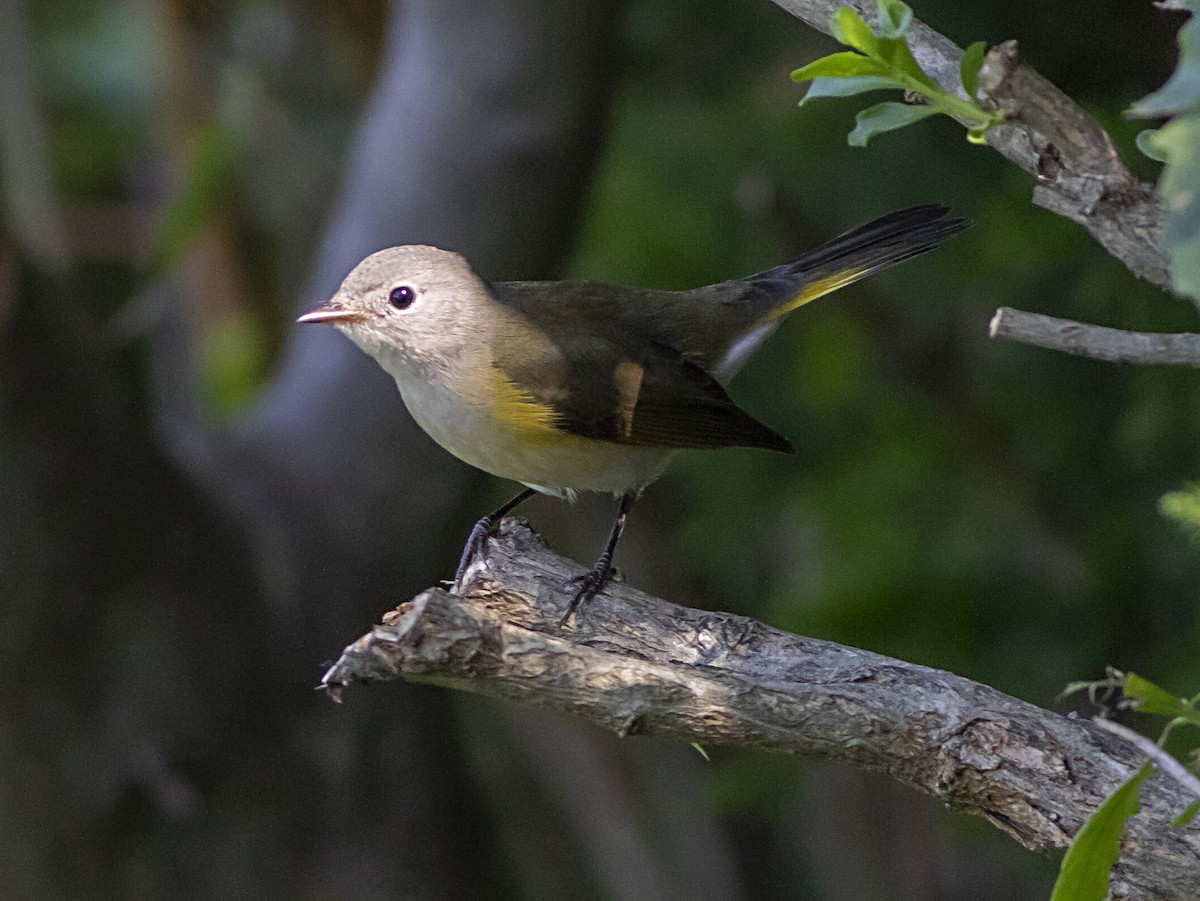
{"points": [[1096, 341], [1164, 761]]}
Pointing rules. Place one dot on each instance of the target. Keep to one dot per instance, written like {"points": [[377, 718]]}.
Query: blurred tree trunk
{"points": [[166, 762]]}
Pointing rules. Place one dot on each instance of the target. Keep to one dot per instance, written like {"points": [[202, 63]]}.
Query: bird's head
{"points": [[412, 303]]}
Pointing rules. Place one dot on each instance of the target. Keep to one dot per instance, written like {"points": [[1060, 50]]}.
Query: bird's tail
{"points": [[855, 255]]}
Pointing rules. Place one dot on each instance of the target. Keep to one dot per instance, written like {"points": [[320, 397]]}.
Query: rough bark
{"points": [[636, 664]]}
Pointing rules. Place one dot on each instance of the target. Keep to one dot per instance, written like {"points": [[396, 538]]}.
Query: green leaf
{"points": [[1153, 699], [1187, 816], [1179, 141], [1145, 141], [1083, 875], [699, 749], [1182, 90], [846, 64], [894, 18], [848, 87], [886, 117], [851, 29], [968, 70], [894, 53]]}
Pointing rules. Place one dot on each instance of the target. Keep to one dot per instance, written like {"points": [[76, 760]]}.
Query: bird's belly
{"points": [[544, 458]]}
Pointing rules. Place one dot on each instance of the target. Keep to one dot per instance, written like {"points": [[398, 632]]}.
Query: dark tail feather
{"points": [[855, 255]]}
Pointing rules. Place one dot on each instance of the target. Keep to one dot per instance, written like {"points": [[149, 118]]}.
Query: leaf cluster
{"points": [[881, 60]]}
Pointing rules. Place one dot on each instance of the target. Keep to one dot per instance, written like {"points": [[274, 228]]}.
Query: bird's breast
{"points": [[493, 428]]}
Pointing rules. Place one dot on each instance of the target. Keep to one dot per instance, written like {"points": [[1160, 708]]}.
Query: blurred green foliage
{"points": [[1183, 506], [171, 121], [209, 170]]}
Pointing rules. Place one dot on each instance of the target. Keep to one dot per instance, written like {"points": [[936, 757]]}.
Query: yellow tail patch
{"points": [[820, 288]]}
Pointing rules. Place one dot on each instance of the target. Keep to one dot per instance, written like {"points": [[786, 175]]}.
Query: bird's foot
{"points": [[477, 541], [477, 545], [590, 583]]}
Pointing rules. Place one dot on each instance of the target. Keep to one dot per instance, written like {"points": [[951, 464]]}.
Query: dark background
{"points": [[201, 503]]}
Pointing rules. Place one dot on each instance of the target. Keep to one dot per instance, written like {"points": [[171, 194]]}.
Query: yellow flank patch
{"points": [[820, 288], [518, 409]]}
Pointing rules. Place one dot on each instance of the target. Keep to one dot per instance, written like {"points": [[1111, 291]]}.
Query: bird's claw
{"points": [[476, 546], [590, 583]]}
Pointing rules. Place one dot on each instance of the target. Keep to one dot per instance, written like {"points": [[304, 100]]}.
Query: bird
{"points": [[569, 386]]}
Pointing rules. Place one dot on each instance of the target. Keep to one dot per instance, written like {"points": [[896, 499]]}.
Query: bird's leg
{"points": [[597, 577], [483, 530]]}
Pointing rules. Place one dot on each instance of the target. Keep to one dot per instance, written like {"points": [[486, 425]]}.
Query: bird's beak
{"points": [[331, 312]]}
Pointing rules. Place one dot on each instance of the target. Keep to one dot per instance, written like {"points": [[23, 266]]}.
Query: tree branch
{"points": [[1079, 173], [640, 665], [1096, 341]]}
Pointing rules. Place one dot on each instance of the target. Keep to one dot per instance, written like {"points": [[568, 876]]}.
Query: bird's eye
{"points": [[402, 297]]}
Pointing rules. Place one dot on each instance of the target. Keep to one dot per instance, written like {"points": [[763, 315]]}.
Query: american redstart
{"points": [[573, 385]]}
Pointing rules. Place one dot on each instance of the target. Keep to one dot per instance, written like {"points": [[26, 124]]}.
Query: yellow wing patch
{"points": [[518, 409], [820, 288]]}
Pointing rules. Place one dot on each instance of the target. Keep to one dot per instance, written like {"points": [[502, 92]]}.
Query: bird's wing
{"points": [[630, 390]]}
